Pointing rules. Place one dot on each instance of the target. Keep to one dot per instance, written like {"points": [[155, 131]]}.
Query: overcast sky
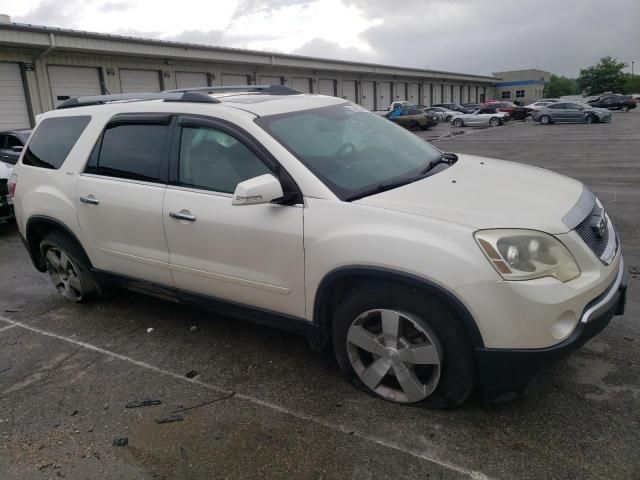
{"points": [[471, 36]]}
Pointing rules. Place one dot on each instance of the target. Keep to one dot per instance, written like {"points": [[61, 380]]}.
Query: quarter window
{"points": [[53, 140], [131, 151], [214, 160]]}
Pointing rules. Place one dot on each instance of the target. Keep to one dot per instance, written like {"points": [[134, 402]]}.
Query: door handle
{"points": [[90, 199], [183, 216]]}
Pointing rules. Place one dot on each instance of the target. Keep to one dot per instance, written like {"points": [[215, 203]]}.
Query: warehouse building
{"points": [[524, 86], [42, 66]]}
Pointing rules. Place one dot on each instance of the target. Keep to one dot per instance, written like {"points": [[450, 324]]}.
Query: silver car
{"points": [[482, 117], [571, 112], [441, 113]]}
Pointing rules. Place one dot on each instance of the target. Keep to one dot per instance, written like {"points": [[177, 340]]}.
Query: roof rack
{"points": [[259, 89], [171, 96]]}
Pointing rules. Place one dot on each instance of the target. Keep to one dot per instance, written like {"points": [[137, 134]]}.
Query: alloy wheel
{"points": [[64, 274], [494, 122], [394, 355]]}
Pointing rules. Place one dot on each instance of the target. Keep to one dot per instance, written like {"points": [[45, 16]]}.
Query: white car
{"points": [[424, 272], [482, 117], [441, 113]]}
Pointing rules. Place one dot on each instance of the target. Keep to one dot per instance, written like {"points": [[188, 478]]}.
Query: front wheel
{"points": [[545, 120], [458, 122], [590, 119], [403, 346], [494, 121], [625, 108], [448, 118], [69, 271]]}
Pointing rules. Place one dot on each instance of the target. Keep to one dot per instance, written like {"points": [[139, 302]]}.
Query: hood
{"points": [[487, 193]]}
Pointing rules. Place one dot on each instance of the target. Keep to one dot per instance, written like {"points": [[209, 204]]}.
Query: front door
{"points": [[119, 199], [250, 254]]}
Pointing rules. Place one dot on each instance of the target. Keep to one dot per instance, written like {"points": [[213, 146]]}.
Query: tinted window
{"points": [[573, 106], [13, 141], [557, 106], [213, 160], [53, 140], [133, 151], [3, 139]]}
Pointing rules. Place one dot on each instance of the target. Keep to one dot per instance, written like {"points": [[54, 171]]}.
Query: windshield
{"points": [[349, 148]]}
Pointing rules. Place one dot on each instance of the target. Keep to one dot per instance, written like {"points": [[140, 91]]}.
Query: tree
{"points": [[631, 84], [559, 86], [606, 76]]}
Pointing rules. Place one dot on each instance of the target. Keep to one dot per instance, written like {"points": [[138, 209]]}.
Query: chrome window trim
{"points": [[125, 180]]}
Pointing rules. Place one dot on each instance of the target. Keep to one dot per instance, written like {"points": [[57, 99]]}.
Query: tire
{"points": [[494, 121], [448, 118], [545, 120], [590, 119], [458, 123], [68, 268], [625, 108], [446, 375]]}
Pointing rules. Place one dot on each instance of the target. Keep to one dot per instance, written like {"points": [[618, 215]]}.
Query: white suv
{"points": [[426, 273]]}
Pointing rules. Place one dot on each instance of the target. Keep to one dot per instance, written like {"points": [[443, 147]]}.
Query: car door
{"points": [[558, 112], [574, 113], [250, 254], [120, 195]]}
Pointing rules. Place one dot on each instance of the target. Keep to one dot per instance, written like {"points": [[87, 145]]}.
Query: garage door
{"points": [[301, 84], [368, 95], [384, 96], [70, 82], [191, 79], [134, 81], [401, 91], [349, 90], [270, 80], [233, 79], [327, 87], [414, 94], [13, 103]]}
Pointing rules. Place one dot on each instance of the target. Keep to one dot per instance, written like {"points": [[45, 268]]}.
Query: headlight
{"points": [[527, 254]]}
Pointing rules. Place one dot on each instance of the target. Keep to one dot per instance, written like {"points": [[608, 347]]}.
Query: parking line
{"points": [[8, 327], [475, 475]]}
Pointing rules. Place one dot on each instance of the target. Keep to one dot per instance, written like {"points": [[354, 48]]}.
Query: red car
{"points": [[514, 111]]}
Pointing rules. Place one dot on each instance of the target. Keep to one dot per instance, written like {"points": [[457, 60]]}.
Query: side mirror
{"points": [[257, 190], [17, 148]]}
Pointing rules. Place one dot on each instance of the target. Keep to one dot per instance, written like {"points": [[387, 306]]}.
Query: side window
{"points": [[53, 140], [12, 141], [3, 140], [557, 106], [214, 160], [131, 151]]}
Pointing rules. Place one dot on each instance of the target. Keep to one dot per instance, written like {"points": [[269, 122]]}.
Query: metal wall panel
{"points": [[414, 93], [270, 80], [384, 96], [191, 79], [14, 112], [68, 82], [229, 79], [349, 90], [368, 95], [134, 81], [301, 84]]}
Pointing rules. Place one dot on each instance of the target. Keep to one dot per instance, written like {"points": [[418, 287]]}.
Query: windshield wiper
{"points": [[448, 158]]}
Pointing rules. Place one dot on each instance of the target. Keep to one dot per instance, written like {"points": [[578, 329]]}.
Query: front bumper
{"points": [[505, 373]]}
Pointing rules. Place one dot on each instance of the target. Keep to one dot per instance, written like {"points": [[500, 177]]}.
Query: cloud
{"points": [[325, 49]]}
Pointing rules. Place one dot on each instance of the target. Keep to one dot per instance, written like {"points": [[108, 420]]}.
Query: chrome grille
{"points": [[596, 243], [601, 241]]}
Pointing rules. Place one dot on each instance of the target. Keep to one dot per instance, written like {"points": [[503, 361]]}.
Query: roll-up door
{"points": [[349, 90], [327, 87], [191, 79], [13, 103], [384, 96], [270, 80], [229, 79], [68, 82], [368, 95], [401, 91], [414, 93], [301, 84], [134, 81]]}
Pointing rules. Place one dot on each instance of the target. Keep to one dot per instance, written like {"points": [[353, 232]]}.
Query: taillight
{"points": [[12, 183]]}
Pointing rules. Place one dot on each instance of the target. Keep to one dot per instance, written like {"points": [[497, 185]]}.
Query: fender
{"points": [[386, 274], [33, 247]]}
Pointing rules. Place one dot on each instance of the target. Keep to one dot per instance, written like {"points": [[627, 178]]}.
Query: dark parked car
{"points": [[515, 112], [614, 102], [11, 144], [455, 107], [411, 118]]}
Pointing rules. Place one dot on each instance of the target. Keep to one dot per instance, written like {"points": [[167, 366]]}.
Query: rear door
{"points": [[120, 197], [558, 112], [574, 112], [250, 254]]}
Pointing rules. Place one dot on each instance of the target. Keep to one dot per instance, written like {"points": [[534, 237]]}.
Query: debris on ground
{"points": [[9, 310], [74, 413], [121, 442], [191, 374], [150, 329], [143, 403], [205, 403], [170, 419]]}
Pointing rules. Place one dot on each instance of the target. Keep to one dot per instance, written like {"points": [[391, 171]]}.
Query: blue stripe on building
{"points": [[518, 83]]}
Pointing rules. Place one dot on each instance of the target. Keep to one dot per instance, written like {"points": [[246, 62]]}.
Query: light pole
{"points": [[632, 62]]}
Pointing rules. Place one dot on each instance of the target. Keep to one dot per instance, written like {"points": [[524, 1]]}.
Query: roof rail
{"points": [[174, 96], [259, 89]]}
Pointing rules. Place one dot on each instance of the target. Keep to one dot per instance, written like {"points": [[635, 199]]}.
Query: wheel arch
{"points": [[338, 282], [38, 227]]}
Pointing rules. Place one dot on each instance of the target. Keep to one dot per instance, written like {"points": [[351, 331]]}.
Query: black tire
{"points": [[545, 120], [457, 375], [494, 121], [55, 243], [591, 119], [458, 122], [448, 118]]}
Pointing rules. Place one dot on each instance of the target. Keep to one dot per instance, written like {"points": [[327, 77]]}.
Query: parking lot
{"points": [[259, 403]]}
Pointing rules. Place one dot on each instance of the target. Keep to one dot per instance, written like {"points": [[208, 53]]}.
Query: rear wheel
{"points": [[67, 268], [403, 346], [494, 121], [458, 122], [545, 120]]}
